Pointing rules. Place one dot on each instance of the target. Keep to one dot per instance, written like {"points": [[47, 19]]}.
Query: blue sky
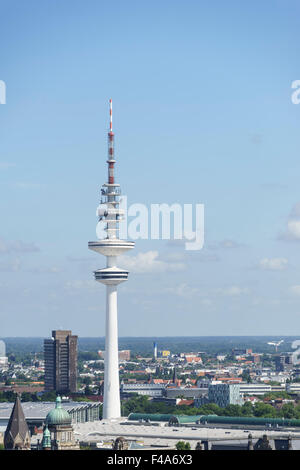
{"points": [[202, 114]]}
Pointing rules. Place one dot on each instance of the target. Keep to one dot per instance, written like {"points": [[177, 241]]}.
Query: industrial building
{"points": [[151, 390], [156, 435], [187, 392], [36, 412]]}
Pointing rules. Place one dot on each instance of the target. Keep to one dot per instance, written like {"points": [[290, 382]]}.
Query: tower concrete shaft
{"points": [[111, 276]]}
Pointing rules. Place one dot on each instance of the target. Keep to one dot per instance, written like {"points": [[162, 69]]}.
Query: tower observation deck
{"points": [[111, 276]]}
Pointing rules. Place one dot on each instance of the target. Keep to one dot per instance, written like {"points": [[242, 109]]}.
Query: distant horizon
{"points": [[173, 336]]}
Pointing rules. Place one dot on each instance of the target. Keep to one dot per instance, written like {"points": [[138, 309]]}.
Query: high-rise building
{"points": [[60, 354], [283, 362], [111, 246]]}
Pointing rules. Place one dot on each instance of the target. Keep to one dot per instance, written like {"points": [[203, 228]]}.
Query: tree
{"points": [[246, 376], [288, 411], [87, 381], [181, 445], [48, 396], [264, 410], [247, 409], [233, 410]]}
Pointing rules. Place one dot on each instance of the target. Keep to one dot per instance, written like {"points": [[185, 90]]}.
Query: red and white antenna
{"points": [[110, 159], [110, 112]]}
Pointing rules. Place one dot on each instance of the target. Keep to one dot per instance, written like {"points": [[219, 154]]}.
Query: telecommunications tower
{"points": [[111, 247]]}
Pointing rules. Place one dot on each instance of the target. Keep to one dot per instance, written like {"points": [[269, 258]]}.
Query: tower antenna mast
{"points": [[111, 247]]}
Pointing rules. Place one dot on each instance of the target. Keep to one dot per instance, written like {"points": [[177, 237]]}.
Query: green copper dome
{"points": [[58, 415]]}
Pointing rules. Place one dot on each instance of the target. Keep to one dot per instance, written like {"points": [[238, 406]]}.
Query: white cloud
{"points": [[81, 284], [17, 247], [273, 264], [182, 290], [292, 232], [229, 244], [233, 291], [148, 262]]}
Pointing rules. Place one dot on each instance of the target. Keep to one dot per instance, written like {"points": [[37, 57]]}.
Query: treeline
{"points": [[144, 345], [141, 404], [10, 396]]}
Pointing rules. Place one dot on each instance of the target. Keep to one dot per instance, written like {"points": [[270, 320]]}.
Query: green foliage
{"points": [[26, 396], [233, 410], [139, 377], [246, 376], [87, 381], [247, 409], [181, 445], [48, 396], [276, 395], [88, 356], [210, 409], [7, 396], [263, 410]]}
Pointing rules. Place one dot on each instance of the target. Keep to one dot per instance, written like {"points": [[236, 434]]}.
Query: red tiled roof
{"points": [[185, 402]]}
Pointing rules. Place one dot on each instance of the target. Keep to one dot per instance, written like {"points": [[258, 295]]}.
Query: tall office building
{"points": [[60, 354], [284, 362], [225, 394]]}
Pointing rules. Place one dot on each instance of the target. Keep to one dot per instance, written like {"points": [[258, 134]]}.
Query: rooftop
{"points": [[39, 410], [156, 436]]}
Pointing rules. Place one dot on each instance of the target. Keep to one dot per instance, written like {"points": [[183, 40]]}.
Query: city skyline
{"points": [[203, 111]]}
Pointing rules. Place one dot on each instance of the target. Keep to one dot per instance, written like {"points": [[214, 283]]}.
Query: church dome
{"points": [[58, 416]]}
